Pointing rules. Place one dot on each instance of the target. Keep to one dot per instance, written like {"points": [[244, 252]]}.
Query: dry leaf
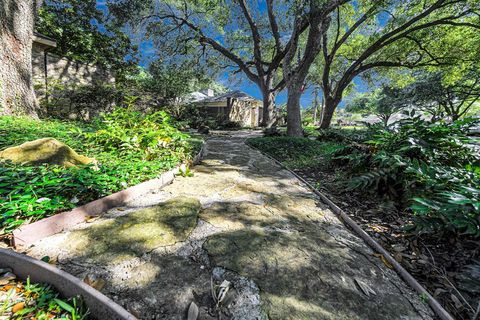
{"points": [[456, 301], [223, 290], [18, 307], [91, 219], [94, 282], [384, 260], [193, 311], [6, 278], [212, 287], [366, 289]]}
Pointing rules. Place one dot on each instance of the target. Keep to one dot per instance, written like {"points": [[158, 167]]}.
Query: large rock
{"points": [[47, 150]]}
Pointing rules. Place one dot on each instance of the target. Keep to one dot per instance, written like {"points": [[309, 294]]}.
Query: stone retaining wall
{"points": [[59, 81]]}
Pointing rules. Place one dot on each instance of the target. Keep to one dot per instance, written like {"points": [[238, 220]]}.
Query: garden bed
{"points": [[128, 151], [445, 263]]}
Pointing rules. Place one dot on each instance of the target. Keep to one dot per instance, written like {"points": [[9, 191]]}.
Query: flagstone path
{"points": [[241, 218]]}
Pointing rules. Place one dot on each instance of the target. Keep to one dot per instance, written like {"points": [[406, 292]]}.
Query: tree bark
{"points": [[268, 118], [16, 32], [294, 117], [328, 111]]}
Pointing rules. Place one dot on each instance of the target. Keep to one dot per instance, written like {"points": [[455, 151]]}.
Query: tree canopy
{"points": [[84, 33]]}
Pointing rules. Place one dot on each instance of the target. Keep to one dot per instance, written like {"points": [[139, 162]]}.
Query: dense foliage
{"points": [[84, 33], [296, 152], [432, 166], [429, 169], [130, 150], [27, 300]]}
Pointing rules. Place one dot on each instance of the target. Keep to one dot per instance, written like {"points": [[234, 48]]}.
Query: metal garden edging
{"points": [[100, 306]]}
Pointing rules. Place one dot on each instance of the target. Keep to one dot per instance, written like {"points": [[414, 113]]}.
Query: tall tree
{"points": [[84, 33], [317, 16], [233, 30], [256, 38], [383, 103], [433, 94], [16, 33], [367, 35]]}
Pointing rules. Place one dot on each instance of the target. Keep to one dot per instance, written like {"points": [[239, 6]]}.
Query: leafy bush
{"points": [[296, 152], [149, 136], [29, 193], [430, 165], [341, 135], [449, 198]]}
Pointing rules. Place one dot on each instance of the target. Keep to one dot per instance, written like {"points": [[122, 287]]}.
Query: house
{"points": [[42, 43], [235, 106], [40, 47]]}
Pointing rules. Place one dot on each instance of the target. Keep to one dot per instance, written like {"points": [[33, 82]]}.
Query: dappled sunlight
{"points": [[137, 232], [261, 225]]}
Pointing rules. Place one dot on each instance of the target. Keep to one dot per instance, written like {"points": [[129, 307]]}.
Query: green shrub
{"points": [[296, 152], [431, 166], [30, 193], [150, 137]]}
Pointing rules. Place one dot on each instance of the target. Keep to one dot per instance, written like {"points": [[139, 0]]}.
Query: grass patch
{"points": [[30, 193]]}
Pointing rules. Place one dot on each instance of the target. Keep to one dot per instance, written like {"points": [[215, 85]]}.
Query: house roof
{"points": [[236, 94], [44, 41]]}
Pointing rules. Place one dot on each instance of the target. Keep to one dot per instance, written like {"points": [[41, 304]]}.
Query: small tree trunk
{"points": [[294, 117], [328, 111], [16, 32], [268, 118]]}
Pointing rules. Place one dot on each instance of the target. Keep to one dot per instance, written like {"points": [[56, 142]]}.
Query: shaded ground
{"points": [[240, 218], [445, 263]]}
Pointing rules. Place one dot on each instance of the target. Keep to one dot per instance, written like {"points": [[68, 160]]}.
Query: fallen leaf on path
{"points": [[456, 301], [384, 260], [91, 219], [94, 282], [193, 311], [366, 289]]}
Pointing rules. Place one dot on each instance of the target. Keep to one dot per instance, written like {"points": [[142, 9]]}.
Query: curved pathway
{"points": [[243, 219]]}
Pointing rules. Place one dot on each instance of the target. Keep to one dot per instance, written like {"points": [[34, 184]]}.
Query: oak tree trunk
{"points": [[16, 31], [294, 117], [328, 111], [268, 118]]}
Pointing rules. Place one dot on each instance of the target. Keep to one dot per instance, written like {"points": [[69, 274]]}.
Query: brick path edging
{"points": [[27, 235]]}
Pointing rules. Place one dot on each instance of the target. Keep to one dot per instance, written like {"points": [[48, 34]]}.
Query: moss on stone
{"points": [[236, 216], [47, 150], [138, 232]]}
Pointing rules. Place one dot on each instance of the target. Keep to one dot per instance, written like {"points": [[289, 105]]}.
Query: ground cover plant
{"points": [[414, 186], [128, 146], [26, 300]]}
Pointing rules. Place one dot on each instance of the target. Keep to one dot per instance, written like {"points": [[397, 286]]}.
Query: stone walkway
{"points": [[240, 218]]}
